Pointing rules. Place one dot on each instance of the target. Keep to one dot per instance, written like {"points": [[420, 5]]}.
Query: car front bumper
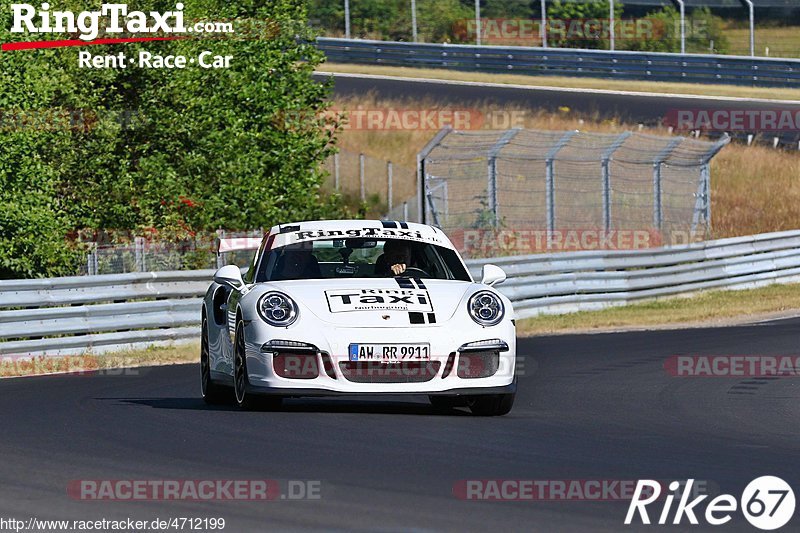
{"points": [[445, 374]]}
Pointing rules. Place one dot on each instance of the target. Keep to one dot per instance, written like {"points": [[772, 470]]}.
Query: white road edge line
{"points": [[558, 89]]}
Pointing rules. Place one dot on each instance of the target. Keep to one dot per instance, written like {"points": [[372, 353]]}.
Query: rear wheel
{"points": [[212, 392], [491, 404], [245, 399]]}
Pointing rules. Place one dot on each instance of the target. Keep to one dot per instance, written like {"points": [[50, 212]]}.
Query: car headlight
{"points": [[277, 309], [486, 308]]}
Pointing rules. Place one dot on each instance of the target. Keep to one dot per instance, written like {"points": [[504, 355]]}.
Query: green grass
{"points": [[714, 307]]}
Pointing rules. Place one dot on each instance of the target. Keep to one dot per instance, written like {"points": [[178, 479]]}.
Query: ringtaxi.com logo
{"points": [[767, 503]]}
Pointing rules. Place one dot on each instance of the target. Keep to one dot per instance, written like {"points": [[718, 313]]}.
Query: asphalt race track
{"points": [[589, 407], [648, 109]]}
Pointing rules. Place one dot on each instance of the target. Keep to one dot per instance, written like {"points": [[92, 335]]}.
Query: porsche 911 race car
{"points": [[358, 307]]}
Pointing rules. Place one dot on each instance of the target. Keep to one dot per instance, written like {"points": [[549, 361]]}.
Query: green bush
{"points": [[179, 150], [577, 17], [701, 29]]}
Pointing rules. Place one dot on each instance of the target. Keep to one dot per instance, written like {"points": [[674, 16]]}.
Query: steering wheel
{"points": [[415, 269]]}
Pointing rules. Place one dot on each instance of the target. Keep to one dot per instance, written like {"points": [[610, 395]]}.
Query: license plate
{"points": [[389, 353]]}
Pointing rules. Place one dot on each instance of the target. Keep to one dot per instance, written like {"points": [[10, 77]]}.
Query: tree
{"points": [[581, 24], [178, 150], [701, 30]]}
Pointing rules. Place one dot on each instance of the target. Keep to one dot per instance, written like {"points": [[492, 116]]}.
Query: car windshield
{"points": [[361, 258]]}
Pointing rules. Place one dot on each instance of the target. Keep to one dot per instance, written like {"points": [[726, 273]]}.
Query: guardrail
{"points": [[99, 313], [653, 66]]}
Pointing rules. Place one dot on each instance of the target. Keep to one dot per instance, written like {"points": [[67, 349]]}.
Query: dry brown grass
{"points": [[782, 41], [755, 189], [88, 362], [714, 307]]}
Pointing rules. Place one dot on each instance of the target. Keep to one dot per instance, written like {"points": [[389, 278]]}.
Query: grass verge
{"points": [[81, 364], [570, 82], [710, 308]]}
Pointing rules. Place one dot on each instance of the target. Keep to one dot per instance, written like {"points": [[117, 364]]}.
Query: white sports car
{"points": [[358, 307]]}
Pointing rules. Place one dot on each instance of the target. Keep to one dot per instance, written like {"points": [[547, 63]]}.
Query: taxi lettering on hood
{"points": [[410, 300]]}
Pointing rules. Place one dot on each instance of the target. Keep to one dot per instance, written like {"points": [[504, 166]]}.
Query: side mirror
{"points": [[492, 274], [231, 276]]}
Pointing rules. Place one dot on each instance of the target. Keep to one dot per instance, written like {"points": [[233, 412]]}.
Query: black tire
{"points": [[491, 404], [245, 399], [213, 393]]}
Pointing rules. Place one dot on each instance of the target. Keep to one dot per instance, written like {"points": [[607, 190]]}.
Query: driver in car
{"points": [[396, 258]]}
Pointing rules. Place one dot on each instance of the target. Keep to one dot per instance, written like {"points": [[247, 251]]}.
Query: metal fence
{"points": [[558, 180], [653, 66], [370, 179], [63, 316], [140, 254], [478, 26]]}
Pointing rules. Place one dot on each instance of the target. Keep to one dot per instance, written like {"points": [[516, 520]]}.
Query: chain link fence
{"points": [[384, 185], [144, 255], [556, 184]]}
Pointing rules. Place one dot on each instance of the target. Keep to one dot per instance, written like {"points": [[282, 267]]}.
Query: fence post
{"points": [[543, 27], [550, 186], [752, 28], [389, 184], [429, 197], [478, 22], [491, 188], [421, 172], [138, 248], [346, 19], [91, 260], [361, 177], [612, 21], [336, 171], [683, 25], [606, 161], [658, 211], [414, 20]]}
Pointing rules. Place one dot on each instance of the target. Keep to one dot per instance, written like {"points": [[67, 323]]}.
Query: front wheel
{"points": [[491, 404], [212, 393], [245, 399]]}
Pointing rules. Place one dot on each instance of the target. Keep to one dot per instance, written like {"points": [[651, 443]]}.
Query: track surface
{"points": [[589, 407], [630, 108]]}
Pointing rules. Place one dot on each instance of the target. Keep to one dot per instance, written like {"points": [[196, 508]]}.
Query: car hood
{"points": [[389, 302]]}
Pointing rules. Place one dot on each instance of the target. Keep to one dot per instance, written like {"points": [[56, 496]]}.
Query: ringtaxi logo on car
{"points": [[767, 502]]}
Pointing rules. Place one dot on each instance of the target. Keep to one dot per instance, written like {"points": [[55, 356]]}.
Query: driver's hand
{"points": [[398, 269]]}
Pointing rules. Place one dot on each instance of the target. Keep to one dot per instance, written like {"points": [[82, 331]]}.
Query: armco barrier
{"points": [[100, 313], [654, 66]]}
